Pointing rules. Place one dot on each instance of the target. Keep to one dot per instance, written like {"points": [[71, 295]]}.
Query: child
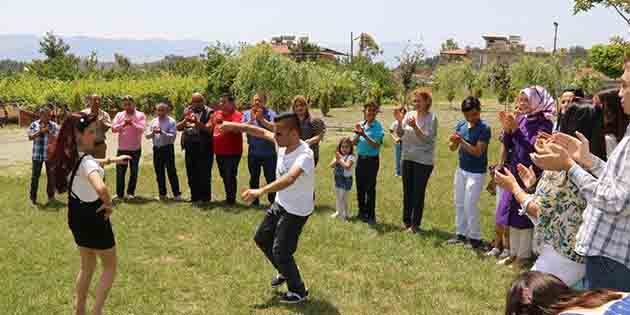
{"points": [[397, 140], [470, 139], [342, 163], [42, 132], [163, 130]]}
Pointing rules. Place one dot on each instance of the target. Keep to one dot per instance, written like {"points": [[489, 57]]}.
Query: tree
{"points": [[450, 44], [622, 7], [122, 62], [500, 81], [448, 79], [304, 51], [368, 46], [91, 62], [52, 46], [409, 62], [608, 59]]}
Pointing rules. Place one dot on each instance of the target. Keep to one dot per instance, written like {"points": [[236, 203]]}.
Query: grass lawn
{"points": [[177, 259]]}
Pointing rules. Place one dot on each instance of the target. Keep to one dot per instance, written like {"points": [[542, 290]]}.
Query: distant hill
{"points": [[26, 48]]}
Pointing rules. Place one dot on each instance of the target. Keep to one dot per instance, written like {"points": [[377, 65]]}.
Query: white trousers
{"points": [[468, 188], [521, 242], [342, 202], [567, 270]]}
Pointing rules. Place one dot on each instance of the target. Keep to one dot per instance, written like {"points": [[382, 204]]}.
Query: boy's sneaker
{"points": [[334, 215], [161, 198], [278, 281], [495, 252], [130, 197], [457, 240], [293, 298]]}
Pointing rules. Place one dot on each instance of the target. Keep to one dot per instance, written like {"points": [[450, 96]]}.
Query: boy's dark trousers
{"points": [[164, 163], [121, 171], [50, 179], [228, 169]]}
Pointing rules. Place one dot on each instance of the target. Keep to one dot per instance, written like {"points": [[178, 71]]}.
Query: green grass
{"points": [[177, 259]]}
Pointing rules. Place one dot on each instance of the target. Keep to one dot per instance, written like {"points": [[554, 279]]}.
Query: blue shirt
{"points": [[257, 146], [376, 133], [479, 133], [168, 128]]}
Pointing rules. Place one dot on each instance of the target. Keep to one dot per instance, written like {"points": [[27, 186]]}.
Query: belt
{"points": [[367, 157], [99, 142]]}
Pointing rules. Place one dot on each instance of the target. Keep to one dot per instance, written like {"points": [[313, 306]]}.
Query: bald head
{"points": [[95, 101]]}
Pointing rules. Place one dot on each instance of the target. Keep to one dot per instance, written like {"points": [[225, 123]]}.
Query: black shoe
{"points": [[293, 298], [457, 240], [371, 222], [474, 244], [278, 281]]}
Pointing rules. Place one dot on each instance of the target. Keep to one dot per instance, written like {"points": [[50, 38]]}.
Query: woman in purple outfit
{"points": [[535, 111]]}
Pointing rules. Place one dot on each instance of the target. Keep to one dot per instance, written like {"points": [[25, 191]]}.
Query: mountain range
{"points": [[26, 48]]}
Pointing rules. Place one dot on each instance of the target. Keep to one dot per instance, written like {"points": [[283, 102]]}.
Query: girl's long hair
{"points": [[348, 141], [617, 119], [66, 154], [548, 295]]}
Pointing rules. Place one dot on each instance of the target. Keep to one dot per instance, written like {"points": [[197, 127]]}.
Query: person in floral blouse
{"points": [[555, 207]]}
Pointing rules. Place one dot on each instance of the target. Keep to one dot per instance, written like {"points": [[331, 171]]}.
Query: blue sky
{"points": [[326, 21]]}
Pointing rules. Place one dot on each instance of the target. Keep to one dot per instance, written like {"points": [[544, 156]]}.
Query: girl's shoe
{"points": [[506, 261], [505, 254], [494, 252], [335, 215]]}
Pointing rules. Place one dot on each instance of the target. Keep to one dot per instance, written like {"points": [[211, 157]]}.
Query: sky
{"points": [[325, 21]]}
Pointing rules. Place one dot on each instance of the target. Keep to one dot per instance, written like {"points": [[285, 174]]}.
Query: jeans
{"points": [[228, 169], [268, 165], [415, 179], [50, 179], [467, 192], [199, 171], [605, 273], [277, 236], [164, 162], [121, 171], [397, 155], [366, 173]]}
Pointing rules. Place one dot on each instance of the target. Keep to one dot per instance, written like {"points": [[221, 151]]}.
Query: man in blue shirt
{"points": [[471, 137], [262, 153]]}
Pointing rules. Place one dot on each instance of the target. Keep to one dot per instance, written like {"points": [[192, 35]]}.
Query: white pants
{"points": [[567, 270], [468, 188], [342, 202], [521, 242]]}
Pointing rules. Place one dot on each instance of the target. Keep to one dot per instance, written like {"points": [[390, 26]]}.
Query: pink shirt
{"points": [[130, 136]]}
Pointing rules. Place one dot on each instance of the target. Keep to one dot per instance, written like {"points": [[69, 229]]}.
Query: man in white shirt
{"points": [[278, 234]]}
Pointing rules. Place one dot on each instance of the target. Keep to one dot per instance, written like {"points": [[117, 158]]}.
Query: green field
{"points": [[178, 259]]}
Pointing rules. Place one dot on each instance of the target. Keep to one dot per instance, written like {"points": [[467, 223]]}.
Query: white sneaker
{"points": [[504, 254], [506, 261], [494, 252], [130, 197], [160, 198], [178, 198], [334, 215]]}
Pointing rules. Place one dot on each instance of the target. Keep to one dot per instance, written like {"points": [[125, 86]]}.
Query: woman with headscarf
{"points": [[535, 112]]}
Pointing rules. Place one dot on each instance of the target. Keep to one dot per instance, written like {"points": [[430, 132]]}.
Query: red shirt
{"points": [[227, 143]]}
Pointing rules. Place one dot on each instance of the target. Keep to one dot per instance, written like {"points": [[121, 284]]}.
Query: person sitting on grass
{"points": [[89, 205], [42, 132], [538, 293], [278, 234], [342, 165], [471, 139], [163, 131]]}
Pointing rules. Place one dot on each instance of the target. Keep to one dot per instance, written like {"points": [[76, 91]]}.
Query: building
{"points": [[498, 49], [303, 49]]}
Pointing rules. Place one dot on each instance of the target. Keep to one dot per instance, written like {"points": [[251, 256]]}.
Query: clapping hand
{"points": [[557, 159], [508, 121], [411, 122], [338, 157], [398, 115], [44, 130], [358, 129], [527, 175], [157, 130], [577, 148], [456, 138], [505, 180]]}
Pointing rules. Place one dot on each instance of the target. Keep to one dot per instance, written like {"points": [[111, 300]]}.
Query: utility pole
{"points": [[351, 46], [555, 37]]}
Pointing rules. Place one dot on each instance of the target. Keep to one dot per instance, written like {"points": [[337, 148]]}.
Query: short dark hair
{"points": [[291, 119], [128, 98], [471, 103], [578, 92], [229, 96]]}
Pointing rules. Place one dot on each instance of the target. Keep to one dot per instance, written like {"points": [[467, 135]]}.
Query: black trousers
{"points": [[268, 165], [415, 180], [121, 171], [50, 179], [199, 170], [228, 169], [366, 173], [164, 163], [277, 236]]}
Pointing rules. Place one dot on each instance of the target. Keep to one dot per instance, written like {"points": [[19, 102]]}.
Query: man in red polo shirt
{"points": [[228, 146]]}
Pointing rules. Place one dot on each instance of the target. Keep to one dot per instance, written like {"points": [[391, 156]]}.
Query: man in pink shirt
{"points": [[129, 124]]}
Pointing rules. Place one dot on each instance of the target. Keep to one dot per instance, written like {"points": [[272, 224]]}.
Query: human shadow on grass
{"points": [[310, 306], [53, 206]]}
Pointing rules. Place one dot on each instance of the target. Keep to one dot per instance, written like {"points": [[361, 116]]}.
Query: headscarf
{"points": [[541, 101]]}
